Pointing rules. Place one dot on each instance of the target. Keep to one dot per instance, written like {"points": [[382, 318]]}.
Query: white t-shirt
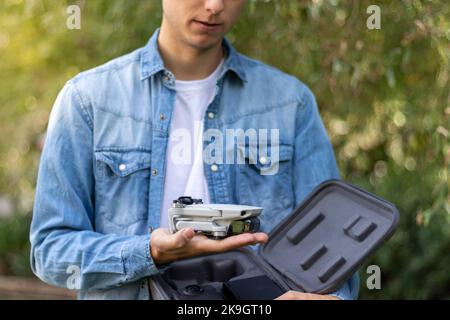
{"points": [[184, 158]]}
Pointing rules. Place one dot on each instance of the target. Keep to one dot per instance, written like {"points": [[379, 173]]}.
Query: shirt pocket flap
{"points": [[124, 163], [265, 157]]}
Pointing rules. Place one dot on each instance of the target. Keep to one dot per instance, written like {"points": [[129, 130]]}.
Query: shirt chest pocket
{"points": [[266, 179], [122, 185]]}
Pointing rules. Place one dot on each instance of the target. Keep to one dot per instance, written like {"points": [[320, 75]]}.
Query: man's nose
{"points": [[214, 6]]}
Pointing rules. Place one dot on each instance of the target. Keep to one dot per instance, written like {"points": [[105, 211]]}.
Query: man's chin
{"points": [[205, 42]]}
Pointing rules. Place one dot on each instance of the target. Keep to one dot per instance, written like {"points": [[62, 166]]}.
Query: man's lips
{"points": [[210, 24], [207, 25]]}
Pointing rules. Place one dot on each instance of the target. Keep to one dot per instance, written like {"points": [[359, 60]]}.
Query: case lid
{"points": [[327, 237]]}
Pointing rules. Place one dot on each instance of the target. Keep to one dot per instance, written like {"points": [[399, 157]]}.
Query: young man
{"points": [[109, 168]]}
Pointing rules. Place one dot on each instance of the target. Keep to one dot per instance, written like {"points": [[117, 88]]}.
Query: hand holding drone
{"points": [[192, 223]]}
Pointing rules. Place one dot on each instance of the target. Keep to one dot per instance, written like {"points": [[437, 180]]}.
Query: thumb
{"points": [[178, 239]]}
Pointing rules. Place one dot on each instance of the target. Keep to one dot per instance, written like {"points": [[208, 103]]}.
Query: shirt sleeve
{"points": [[314, 163], [64, 243]]}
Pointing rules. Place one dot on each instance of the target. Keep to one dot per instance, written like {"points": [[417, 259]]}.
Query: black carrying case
{"points": [[314, 249]]}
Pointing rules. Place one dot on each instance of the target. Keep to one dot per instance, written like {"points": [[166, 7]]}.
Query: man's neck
{"points": [[185, 61]]}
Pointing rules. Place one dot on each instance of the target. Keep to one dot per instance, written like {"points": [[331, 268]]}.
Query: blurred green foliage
{"points": [[384, 96]]}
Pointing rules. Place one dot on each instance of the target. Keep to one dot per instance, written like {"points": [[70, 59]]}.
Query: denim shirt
{"points": [[101, 174]]}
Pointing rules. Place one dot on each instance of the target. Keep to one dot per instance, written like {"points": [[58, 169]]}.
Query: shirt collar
{"points": [[152, 63]]}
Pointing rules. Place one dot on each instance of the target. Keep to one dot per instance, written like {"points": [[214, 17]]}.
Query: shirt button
{"points": [[154, 172], [122, 167], [211, 115], [214, 168], [162, 116], [263, 160], [168, 77]]}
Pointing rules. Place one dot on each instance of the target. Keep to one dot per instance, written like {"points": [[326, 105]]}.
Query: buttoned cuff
{"points": [[137, 260], [343, 293], [338, 296]]}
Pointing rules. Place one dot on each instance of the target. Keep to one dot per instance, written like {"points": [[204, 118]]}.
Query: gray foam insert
{"points": [[326, 238]]}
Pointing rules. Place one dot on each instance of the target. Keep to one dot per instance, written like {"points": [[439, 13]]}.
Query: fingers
{"points": [[292, 295], [241, 240], [295, 295], [209, 246], [261, 237]]}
